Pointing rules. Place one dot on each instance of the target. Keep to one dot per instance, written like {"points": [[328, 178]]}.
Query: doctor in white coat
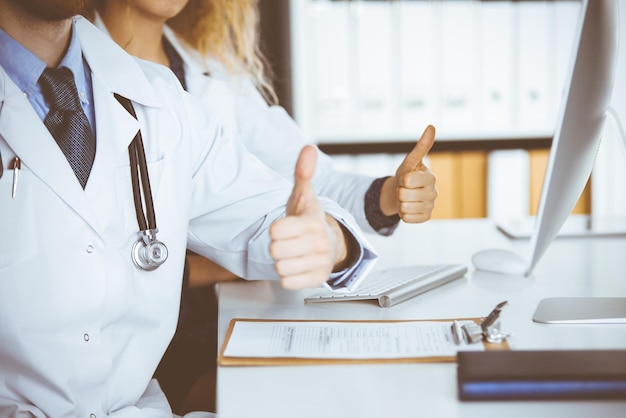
{"points": [[82, 329]]}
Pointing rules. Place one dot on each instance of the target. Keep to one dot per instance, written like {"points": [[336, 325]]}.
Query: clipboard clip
{"points": [[488, 330]]}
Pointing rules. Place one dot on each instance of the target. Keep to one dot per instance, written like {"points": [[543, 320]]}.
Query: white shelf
{"points": [[442, 136]]}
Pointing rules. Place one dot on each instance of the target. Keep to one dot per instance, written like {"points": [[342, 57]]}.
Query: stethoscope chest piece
{"points": [[148, 252]]}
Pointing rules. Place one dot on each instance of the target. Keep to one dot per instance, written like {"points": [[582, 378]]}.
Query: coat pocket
{"points": [[18, 239]]}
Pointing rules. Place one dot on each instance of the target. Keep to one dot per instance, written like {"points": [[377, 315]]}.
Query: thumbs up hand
{"points": [[307, 243], [411, 192]]}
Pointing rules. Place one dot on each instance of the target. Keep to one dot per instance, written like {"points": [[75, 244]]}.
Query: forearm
{"points": [[203, 271]]}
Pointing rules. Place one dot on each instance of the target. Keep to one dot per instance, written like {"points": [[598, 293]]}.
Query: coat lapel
{"points": [[115, 129], [31, 141]]}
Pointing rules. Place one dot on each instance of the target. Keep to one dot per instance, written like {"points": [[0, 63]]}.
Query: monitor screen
{"points": [[580, 121]]}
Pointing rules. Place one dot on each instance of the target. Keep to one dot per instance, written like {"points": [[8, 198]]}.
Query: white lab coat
{"points": [[267, 131], [81, 329]]}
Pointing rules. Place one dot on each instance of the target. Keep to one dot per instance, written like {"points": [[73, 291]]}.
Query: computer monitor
{"points": [[577, 136], [580, 122]]}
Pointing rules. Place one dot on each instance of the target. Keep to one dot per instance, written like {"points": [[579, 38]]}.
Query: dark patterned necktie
{"points": [[67, 122]]}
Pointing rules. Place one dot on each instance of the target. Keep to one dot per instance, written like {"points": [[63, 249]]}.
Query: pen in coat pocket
{"points": [[17, 165]]}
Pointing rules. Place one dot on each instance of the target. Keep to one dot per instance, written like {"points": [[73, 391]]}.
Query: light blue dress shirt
{"points": [[25, 68]]}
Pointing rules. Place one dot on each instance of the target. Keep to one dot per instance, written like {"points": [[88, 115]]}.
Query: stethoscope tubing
{"points": [[139, 166], [148, 253]]}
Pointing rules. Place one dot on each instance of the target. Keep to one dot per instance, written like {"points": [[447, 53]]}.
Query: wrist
{"points": [[388, 198], [379, 221], [343, 245]]}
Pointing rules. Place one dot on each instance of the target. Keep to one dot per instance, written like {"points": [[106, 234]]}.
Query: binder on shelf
{"points": [[417, 96], [458, 66], [332, 92], [496, 50], [508, 184], [535, 66], [374, 52], [566, 17]]}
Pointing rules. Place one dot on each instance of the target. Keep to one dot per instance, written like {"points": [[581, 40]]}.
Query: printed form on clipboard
{"points": [[395, 284], [284, 342]]}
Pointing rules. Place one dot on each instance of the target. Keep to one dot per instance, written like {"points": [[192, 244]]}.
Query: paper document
{"points": [[343, 340]]}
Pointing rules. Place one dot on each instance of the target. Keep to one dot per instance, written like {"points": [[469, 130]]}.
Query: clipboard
{"points": [[271, 360]]}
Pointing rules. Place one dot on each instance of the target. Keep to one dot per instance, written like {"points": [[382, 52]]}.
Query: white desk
{"points": [[571, 267]]}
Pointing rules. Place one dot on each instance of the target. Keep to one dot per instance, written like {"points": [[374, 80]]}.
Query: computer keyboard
{"points": [[396, 284]]}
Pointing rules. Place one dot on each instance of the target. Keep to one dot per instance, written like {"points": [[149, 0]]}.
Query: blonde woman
{"points": [[212, 47]]}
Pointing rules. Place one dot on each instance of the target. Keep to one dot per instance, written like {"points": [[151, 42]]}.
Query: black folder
{"points": [[549, 375]]}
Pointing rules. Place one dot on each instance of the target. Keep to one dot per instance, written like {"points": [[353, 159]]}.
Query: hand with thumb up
{"points": [[307, 244], [411, 192]]}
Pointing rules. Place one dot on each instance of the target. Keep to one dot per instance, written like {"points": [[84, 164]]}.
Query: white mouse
{"points": [[499, 261]]}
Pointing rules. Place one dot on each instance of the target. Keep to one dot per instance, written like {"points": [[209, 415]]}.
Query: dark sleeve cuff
{"points": [[381, 223]]}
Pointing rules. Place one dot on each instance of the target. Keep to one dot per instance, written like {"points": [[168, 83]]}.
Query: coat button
{"points": [[92, 415], [90, 249], [86, 337]]}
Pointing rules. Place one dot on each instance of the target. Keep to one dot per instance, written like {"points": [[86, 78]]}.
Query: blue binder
{"points": [[550, 374]]}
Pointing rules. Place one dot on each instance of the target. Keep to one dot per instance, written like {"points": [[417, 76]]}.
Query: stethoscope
{"points": [[148, 252]]}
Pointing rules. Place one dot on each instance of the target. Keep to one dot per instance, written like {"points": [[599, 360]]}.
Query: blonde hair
{"points": [[228, 30]]}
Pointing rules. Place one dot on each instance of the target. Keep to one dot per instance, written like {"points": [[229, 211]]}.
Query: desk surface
{"points": [[570, 267]]}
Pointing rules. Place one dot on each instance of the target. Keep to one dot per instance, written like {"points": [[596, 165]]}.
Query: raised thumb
{"points": [[303, 178], [414, 158]]}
